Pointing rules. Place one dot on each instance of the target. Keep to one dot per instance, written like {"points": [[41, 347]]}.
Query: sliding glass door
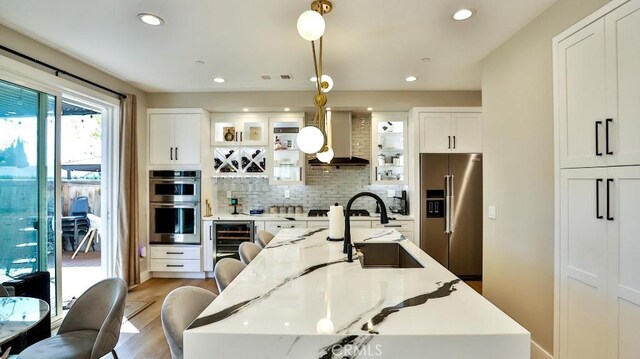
{"points": [[27, 183]]}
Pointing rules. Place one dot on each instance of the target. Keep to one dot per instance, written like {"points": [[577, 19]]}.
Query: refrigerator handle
{"points": [[451, 203], [447, 204]]}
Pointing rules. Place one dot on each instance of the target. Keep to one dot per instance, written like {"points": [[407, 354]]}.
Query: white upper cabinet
{"points": [[239, 129], [622, 30], [450, 132], [174, 138], [598, 82], [582, 100]]}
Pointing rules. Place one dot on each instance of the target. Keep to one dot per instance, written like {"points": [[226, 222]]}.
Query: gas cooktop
{"points": [[325, 213]]}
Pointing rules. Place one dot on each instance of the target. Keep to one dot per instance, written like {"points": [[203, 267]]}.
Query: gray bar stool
{"points": [[181, 307], [226, 270], [264, 238], [248, 251]]}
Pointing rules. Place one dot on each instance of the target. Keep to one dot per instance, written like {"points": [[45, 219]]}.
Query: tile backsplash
{"points": [[324, 186]]}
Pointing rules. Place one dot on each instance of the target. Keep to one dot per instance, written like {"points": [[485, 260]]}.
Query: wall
{"points": [[25, 45], [517, 101]]}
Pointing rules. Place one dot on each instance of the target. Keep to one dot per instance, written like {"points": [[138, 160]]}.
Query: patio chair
{"points": [[77, 223]]}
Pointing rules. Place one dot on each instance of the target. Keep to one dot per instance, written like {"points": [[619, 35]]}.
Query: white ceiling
{"points": [[369, 44]]}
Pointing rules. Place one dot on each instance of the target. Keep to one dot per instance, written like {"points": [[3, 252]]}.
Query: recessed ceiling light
{"points": [[199, 62], [410, 78], [245, 109], [150, 19], [328, 108], [287, 109], [218, 80], [463, 14], [369, 108], [425, 59]]}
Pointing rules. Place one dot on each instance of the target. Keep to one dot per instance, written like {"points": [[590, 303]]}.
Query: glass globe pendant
{"points": [[325, 156], [310, 139], [311, 25]]}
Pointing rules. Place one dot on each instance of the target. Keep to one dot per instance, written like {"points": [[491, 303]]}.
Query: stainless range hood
{"points": [[341, 143]]}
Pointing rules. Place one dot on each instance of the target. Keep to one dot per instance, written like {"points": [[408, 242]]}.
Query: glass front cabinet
{"points": [[287, 161], [388, 148]]}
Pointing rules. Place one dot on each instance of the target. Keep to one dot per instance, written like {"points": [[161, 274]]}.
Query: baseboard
{"points": [[184, 275], [145, 276], [538, 353]]}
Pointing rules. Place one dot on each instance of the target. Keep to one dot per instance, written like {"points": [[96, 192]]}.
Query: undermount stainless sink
{"points": [[385, 255]]}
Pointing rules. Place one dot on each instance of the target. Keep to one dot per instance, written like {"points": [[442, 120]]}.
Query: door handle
{"points": [[449, 142], [598, 153], [171, 153], [598, 215], [606, 134], [609, 217], [454, 142], [452, 203], [447, 204]]}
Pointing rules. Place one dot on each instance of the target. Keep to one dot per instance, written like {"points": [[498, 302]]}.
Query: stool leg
{"points": [[80, 246], [113, 352], [93, 233]]}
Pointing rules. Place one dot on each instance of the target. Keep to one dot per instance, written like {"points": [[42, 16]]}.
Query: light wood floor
{"points": [[142, 336]]}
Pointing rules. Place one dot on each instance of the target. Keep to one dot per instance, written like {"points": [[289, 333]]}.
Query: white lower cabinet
{"points": [[599, 267], [317, 224], [207, 246], [175, 258], [275, 226]]}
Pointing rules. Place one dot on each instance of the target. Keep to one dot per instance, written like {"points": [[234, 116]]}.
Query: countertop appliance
{"points": [[451, 211], [174, 207]]}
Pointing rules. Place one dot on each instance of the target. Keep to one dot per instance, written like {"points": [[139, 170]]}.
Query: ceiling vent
{"points": [[266, 77], [286, 77]]}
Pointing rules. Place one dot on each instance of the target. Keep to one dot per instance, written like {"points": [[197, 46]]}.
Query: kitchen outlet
{"points": [[286, 193], [228, 194], [492, 212], [391, 193]]}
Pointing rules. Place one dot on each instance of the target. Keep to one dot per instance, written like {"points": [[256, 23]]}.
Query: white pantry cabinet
{"points": [[450, 132], [174, 137], [597, 114], [598, 81]]}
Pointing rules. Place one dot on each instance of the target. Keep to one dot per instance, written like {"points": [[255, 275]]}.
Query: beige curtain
{"points": [[127, 257]]}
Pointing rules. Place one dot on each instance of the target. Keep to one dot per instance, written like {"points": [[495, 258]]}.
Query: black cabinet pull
{"points": [[175, 265], [241, 136], [175, 252], [609, 217], [171, 153], [449, 142], [606, 133], [598, 215], [176, 153], [598, 153], [454, 142]]}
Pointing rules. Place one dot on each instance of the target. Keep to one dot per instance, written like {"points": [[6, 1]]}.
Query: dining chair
{"points": [[248, 251], [179, 309], [226, 270], [264, 238], [91, 328]]}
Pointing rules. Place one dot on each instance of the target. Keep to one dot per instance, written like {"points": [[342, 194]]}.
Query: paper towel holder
{"points": [[335, 239]]}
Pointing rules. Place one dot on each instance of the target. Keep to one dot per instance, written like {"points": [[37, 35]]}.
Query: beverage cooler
{"points": [[227, 237]]}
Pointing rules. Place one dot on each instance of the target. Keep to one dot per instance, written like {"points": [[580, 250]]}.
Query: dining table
{"points": [[19, 314]]}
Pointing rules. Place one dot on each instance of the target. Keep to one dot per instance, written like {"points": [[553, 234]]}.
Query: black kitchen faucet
{"points": [[348, 246]]}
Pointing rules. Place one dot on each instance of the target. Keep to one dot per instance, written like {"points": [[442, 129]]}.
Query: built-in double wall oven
{"points": [[174, 207]]}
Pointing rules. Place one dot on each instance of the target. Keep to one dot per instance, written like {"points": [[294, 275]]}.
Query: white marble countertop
{"points": [[299, 298], [296, 217]]}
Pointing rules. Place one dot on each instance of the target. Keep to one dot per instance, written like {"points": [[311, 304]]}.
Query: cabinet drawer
{"points": [[175, 265], [275, 226], [317, 224], [400, 226], [175, 252]]}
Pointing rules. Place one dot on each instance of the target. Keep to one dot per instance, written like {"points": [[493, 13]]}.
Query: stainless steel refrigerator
{"points": [[451, 211]]}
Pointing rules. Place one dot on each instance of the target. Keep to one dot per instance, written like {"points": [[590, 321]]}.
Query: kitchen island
{"points": [[299, 298]]}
